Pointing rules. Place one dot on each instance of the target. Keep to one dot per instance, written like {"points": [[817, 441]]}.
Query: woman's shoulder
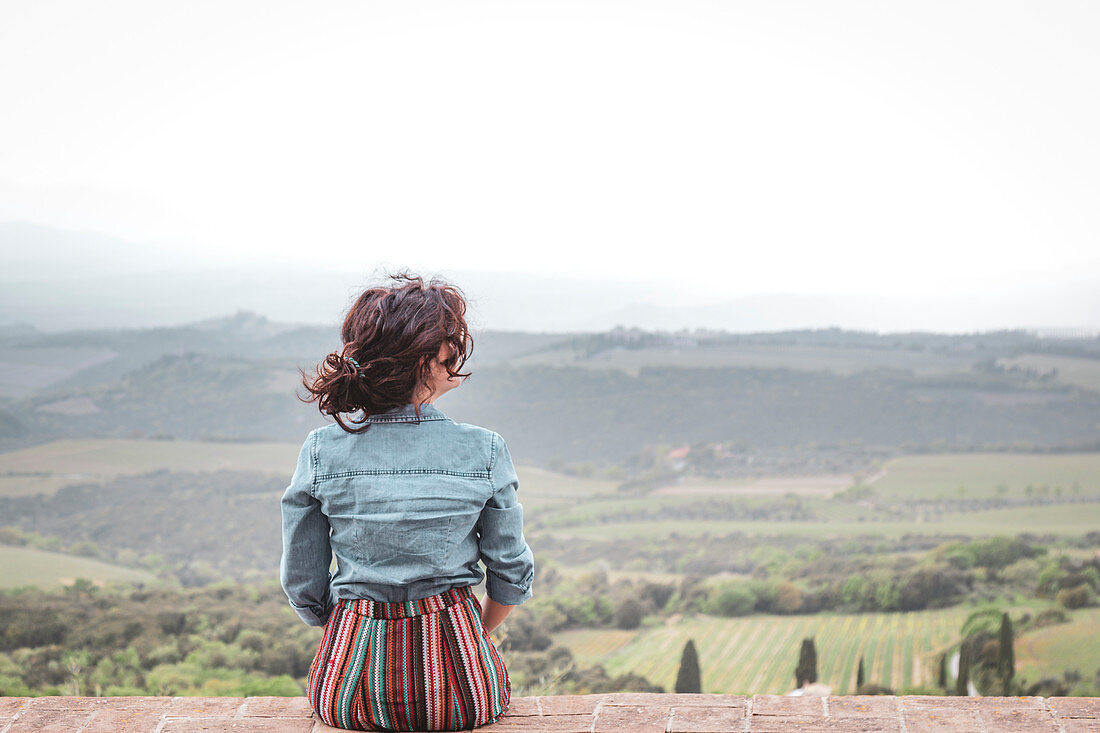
{"points": [[493, 440], [443, 440], [474, 431]]}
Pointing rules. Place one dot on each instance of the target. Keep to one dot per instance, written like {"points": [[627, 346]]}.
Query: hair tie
{"points": [[358, 373]]}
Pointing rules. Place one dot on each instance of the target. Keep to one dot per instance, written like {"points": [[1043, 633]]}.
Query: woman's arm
{"points": [[307, 554], [493, 613], [509, 564]]}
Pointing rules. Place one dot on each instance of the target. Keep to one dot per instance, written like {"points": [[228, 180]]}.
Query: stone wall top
{"points": [[615, 713]]}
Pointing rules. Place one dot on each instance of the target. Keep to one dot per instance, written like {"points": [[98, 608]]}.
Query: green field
{"points": [[1052, 650], [979, 475], [839, 360], [617, 574], [1058, 519], [1081, 372], [24, 566], [822, 485], [660, 505], [45, 468], [1064, 488], [757, 654], [543, 489]]}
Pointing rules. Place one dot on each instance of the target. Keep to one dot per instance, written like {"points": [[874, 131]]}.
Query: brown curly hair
{"points": [[393, 333]]}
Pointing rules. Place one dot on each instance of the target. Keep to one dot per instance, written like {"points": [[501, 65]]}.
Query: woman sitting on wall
{"points": [[408, 501]]}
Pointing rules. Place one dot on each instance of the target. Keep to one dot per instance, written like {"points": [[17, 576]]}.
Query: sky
{"points": [[916, 150]]}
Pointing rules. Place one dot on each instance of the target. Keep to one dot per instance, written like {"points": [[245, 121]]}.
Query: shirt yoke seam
{"points": [[403, 418], [313, 464], [492, 464], [401, 471]]}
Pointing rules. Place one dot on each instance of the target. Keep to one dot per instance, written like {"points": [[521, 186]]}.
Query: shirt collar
{"points": [[407, 413]]}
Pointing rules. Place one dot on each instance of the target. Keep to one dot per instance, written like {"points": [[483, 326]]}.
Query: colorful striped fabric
{"points": [[419, 665]]}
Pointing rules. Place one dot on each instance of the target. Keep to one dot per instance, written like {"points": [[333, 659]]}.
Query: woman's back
{"points": [[413, 504]]}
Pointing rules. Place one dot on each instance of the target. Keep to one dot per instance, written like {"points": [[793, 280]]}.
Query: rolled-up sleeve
{"points": [[509, 563], [307, 554]]}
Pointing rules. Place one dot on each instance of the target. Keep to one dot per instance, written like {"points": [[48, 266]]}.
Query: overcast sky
{"points": [[766, 147]]}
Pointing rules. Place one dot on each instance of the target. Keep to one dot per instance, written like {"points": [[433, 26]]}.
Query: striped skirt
{"points": [[420, 665]]}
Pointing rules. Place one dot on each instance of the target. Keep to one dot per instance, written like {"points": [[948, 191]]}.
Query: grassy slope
{"points": [[542, 489], [757, 654], [1066, 519], [1082, 372], [53, 465], [23, 566], [932, 476], [1052, 650], [912, 477]]}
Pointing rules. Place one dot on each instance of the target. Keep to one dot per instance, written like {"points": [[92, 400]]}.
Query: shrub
{"points": [[917, 690], [986, 620], [1050, 617], [1076, 597], [872, 688], [1022, 574], [595, 680], [730, 599], [931, 586], [12, 686], [788, 598], [12, 536], [657, 594], [629, 614]]}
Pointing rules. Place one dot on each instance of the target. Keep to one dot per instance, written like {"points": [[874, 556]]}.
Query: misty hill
{"points": [[60, 280], [202, 526], [571, 396]]}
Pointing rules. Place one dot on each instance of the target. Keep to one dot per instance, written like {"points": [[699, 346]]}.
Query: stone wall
{"points": [[618, 713]]}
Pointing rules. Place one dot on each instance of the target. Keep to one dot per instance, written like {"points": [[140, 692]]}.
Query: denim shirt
{"points": [[408, 508]]}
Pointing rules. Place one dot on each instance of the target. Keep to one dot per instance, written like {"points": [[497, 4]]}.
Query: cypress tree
{"points": [[1006, 658], [806, 671], [962, 683], [942, 678], [859, 673], [688, 679]]}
